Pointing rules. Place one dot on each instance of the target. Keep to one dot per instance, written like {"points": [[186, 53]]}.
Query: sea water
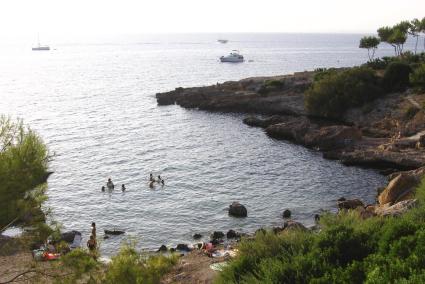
{"points": [[93, 102]]}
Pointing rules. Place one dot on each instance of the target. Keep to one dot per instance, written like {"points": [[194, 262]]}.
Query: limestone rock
{"points": [[400, 188], [398, 208]]}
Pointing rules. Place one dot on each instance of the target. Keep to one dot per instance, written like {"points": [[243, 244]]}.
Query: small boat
{"points": [[40, 47], [234, 56], [222, 40]]}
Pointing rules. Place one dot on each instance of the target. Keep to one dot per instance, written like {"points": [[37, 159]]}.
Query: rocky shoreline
{"points": [[385, 134]]}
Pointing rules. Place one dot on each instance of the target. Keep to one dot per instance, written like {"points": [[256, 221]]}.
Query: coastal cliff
{"points": [[385, 134]]}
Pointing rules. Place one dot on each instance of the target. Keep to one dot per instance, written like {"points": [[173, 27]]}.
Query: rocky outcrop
{"points": [[238, 210], [333, 137], [292, 130], [252, 95]]}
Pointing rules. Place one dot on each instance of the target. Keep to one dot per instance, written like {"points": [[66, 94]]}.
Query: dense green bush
{"points": [[346, 250], [334, 92], [417, 78], [396, 76], [23, 172], [130, 266]]}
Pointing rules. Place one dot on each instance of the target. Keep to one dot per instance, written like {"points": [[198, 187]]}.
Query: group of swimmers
{"points": [[110, 185], [152, 181]]}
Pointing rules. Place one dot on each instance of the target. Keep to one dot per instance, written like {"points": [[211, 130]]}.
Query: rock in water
{"points": [[231, 234], [217, 235], [162, 248], [350, 204], [183, 247], [237, 210], [69, 236], [114, 232], [197, 236], [286, 213]]}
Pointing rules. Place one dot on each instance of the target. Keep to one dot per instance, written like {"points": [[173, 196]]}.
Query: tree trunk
{"points": [[373, 52], [416, 45]]}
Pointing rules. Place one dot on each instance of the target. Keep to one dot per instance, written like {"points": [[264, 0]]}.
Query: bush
{"points": [[417, 78], [396, 76], [23, 171], [346, 250], [271, 85], [130, 266], [379, 63], [335, 92]]}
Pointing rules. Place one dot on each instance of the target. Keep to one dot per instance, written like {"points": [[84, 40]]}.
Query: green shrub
{"points": [[335, 92], [396, 76], [321, 73], [417, 78], [130, 266]]}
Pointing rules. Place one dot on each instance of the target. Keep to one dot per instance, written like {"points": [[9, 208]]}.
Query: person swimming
{"points": [[151, 184], [103, 189], [110, 184], [162, 182], [123, 187], [151, 178], [159, 178]]}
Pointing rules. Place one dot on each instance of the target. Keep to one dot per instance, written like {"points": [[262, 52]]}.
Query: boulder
{"points": [[69, 236], [162, 248], [237, 210], [400, 188], [183, 247], [350, 204], [396, 209], [217, 235], [293, 225], [231, 234], [197, 236], [286, 213]]}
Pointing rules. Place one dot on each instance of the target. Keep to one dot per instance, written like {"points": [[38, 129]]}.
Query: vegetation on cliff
{"points": [[347, 249]]}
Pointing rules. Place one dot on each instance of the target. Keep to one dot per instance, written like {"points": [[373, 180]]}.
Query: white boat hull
{"points": [[41, 48], [231, 59]]}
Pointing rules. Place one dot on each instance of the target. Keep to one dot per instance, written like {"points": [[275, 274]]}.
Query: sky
{"points": [[23, 17]]}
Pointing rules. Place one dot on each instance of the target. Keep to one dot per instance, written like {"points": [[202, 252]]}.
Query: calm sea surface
{"points": [[92, 100]]}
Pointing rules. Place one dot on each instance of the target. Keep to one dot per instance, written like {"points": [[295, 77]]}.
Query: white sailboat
{"points": [[40, 47]]}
